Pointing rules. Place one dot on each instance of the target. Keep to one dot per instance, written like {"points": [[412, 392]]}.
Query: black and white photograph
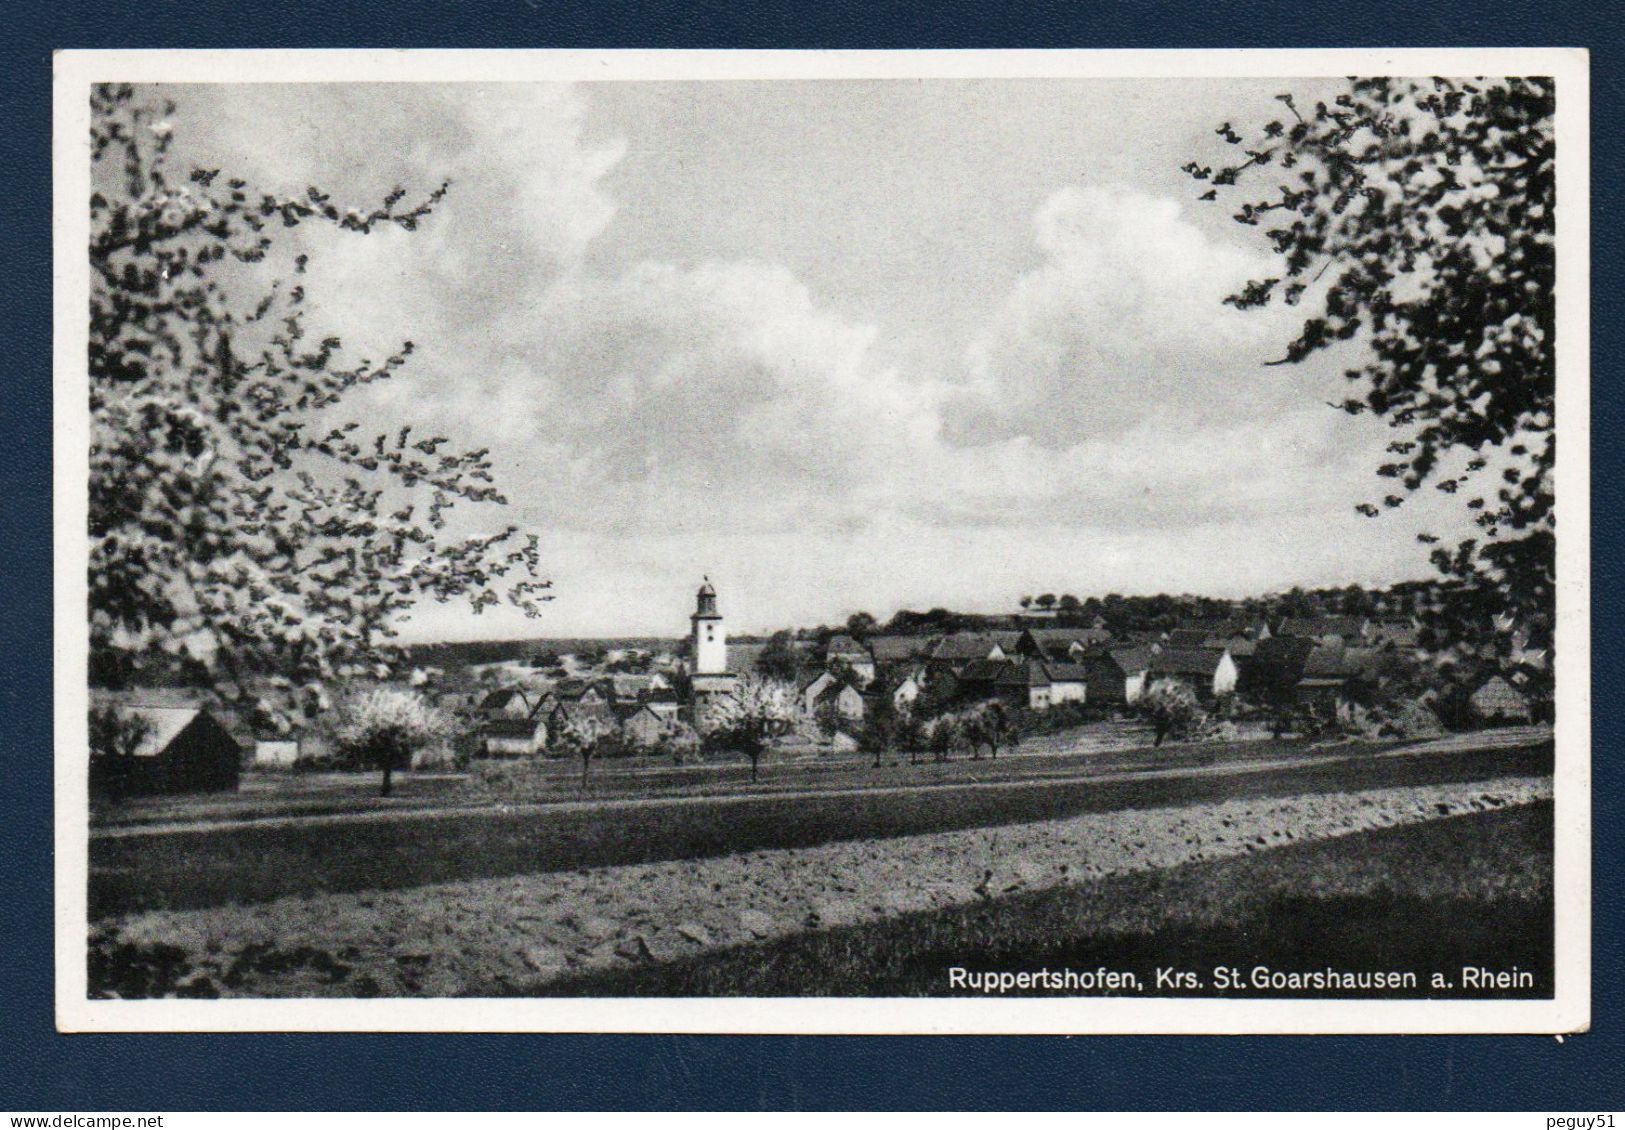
{"points": [[779, 542]]}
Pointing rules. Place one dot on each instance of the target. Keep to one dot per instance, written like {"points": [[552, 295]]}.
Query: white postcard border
{"points": [[1568, 1011]]}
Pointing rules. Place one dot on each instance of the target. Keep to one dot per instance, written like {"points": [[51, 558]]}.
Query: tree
{"points": [[580, 734], [780, 659], [1171, 708], [1026, 602], [383, 727], [991, 726], [1429, 208], [227, 503], [1046, 601], [911, 733], [882, 724], [115, 733], [860, 625], [755, 712], [1069, 603], [944, 735]]}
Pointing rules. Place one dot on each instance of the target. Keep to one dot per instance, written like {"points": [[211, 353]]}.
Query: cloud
{"points": [[719, 396], [1122, 319], [1109, 422]]}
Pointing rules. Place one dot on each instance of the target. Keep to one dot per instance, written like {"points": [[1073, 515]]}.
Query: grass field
{"points": [[1098, 747], [254, 863], [1470, 890]]}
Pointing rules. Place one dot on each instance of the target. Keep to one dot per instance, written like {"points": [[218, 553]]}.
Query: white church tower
{"points": [[710, 678], [710, 638]]}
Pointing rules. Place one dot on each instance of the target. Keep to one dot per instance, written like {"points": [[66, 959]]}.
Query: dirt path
{"points": [[455, 938], [1455, 743]]}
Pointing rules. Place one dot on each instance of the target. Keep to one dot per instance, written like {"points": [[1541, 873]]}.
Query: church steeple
{"points": [[707, 602], [710, 636]]}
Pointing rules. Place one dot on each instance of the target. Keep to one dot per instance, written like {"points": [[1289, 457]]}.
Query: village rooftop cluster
{"points": [[1298, 671]]}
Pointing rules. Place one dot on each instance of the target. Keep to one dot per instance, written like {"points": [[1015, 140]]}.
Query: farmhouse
{"points": [[1024, 683], [956, 651], [276, 752], [644, 726], [1060, 644], [513, 737], [1116, 675], [182, 749], [841, 699], [1210, 672], [899, 649], [846, 650], [509, 702], [1068, 682], [1498, 701], [906, 690]]}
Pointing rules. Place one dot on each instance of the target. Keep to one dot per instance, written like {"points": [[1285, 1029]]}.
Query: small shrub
{"points": [[131, 970]]}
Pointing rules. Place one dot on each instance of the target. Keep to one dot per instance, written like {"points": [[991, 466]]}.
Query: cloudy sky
{"points": [[841, 345]]}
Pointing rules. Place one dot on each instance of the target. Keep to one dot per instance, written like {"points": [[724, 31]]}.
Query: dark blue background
{"points": [[40, 1070]]}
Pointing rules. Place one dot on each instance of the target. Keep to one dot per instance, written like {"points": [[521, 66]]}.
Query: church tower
{"points": [[710, 636]]}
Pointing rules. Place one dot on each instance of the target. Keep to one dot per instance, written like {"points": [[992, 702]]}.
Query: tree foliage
{"points": [[780, 659], [1428, 209], [115, 732], [228, 502], [755, 712], [383, 727], [1172, 709]]}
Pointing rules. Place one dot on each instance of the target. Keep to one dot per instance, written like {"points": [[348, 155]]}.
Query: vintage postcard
{"points": [[868, 542]]}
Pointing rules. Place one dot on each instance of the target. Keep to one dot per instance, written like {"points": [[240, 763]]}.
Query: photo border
{"points": [[1569, 1009]]}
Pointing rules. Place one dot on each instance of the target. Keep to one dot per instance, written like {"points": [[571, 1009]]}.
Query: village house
{"points": [[1068, 682], [278, 752], [508, 702], [1498, 701], [955, 651], [1024, 683], [1227, 628], [580, 692], [182, 749], [906, 650], [512, 737], [842, 700], [663, 702], [643, 726], [1116, 676], [1038, 685], [1326, 629], [1401, 635], [1327, 669], [813, 686], [906, 690], [742, 657], [1060, 644], [845, 650], [978, 679], [1210, 672]]}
